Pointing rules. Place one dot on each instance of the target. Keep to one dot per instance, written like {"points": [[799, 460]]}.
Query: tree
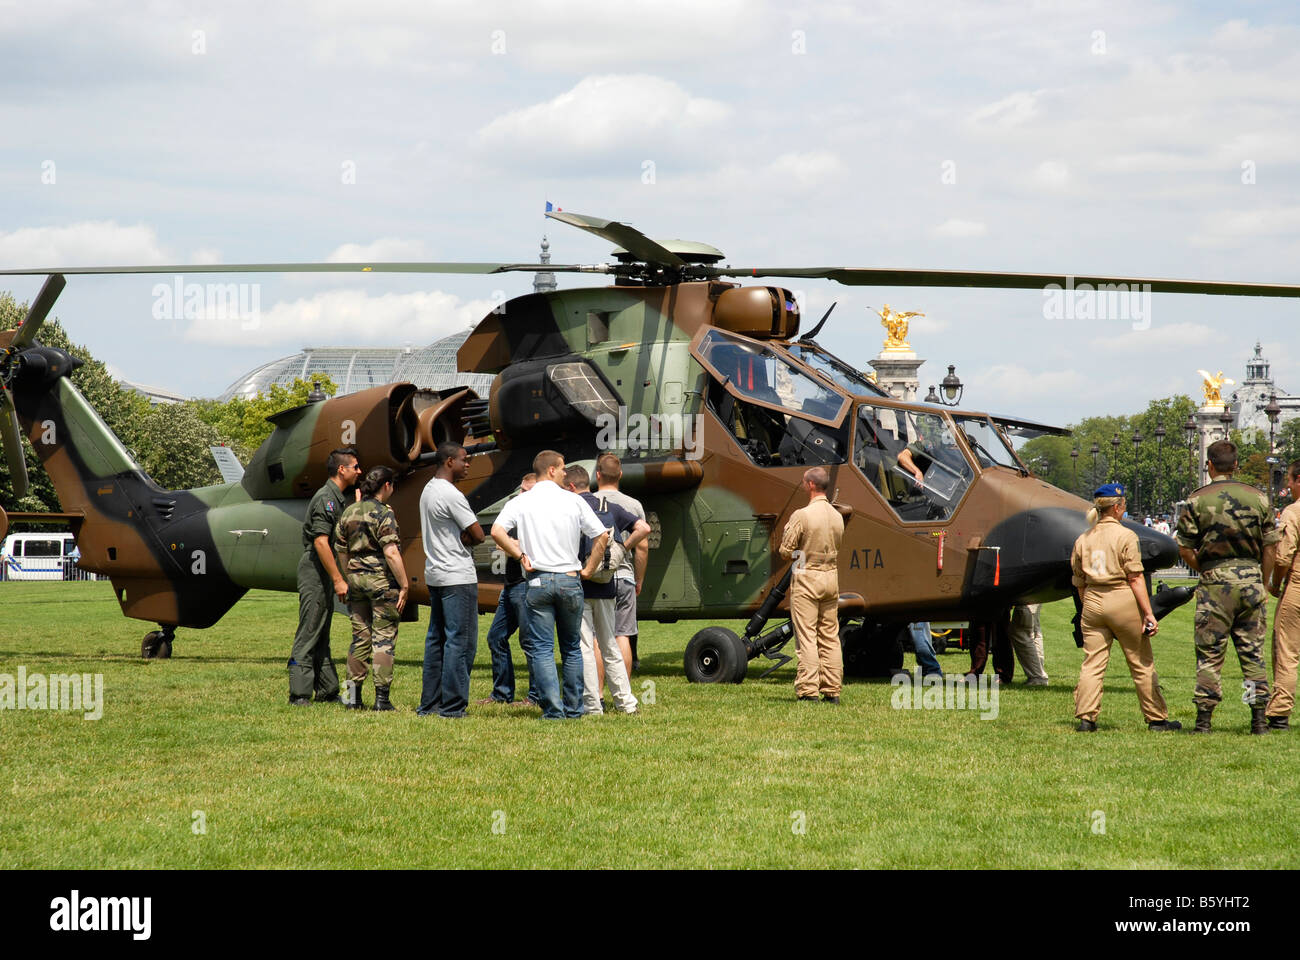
{"points": [[244, 421], [1287, 439]]}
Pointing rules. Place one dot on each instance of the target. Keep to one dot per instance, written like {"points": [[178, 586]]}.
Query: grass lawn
{"points": [[706, 776]]}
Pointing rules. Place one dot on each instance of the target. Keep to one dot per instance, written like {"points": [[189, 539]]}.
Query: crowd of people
{"points": [[574, 563]]}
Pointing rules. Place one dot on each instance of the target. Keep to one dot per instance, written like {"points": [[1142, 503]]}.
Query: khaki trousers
{"points": [[1112, 614], [1286, 651], [814, 614]]}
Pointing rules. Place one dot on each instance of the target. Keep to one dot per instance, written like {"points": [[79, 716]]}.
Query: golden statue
{"points": [[895, 325], [1213, 386]]}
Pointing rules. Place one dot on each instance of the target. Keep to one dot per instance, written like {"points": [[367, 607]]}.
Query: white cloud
{"points": [[1225, 229], [89, 244], [381, 250], [1002, 386], [804, 170], [960, 228], [1240, 35], [345, 318], [1019, 108], [640, 116], [1052, 174], [1164, 337]]}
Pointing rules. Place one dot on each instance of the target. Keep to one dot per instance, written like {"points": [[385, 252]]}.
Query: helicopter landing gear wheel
{"points": [[157, 644], [716, 655], [872, 649]]}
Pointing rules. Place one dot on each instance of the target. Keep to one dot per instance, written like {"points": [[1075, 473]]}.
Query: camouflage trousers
{"points": [[1231, 602], [374, 636]]}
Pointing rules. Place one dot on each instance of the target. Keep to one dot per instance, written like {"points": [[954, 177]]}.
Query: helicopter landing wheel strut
{"points": [[157, 644], [716, 655]]}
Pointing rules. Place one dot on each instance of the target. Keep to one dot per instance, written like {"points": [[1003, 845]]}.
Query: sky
{"points": [[1132, 139]]}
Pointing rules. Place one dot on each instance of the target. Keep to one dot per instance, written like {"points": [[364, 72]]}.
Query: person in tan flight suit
{"points": [[1286, 618], [1107, 568], [812, 540]]}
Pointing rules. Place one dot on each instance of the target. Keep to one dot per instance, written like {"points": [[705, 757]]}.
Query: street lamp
{"points": [[952, 386], [1114, 455], [1094, 451], [1189, 427], [1074, 468], [1137, 440], [1272, 411], [1160, 439], [932, 397]]}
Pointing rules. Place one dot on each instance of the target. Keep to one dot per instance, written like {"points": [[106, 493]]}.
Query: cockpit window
{"points": [[760, 374], [913, 460], [834, 369], [986, 443]]}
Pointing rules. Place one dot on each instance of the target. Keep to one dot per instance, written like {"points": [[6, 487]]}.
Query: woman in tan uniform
{"points": [[1107, 568]]}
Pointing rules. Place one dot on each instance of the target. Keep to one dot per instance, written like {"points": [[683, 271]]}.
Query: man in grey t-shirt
{"points": [[630, 576], [448, 528]]}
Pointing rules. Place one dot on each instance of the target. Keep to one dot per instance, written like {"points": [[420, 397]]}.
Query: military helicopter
{"points": [[708, 391]]}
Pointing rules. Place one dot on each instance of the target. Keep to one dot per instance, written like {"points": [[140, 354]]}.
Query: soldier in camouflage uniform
{"points": [[369, 550], [1227, 534], [319, 581]]}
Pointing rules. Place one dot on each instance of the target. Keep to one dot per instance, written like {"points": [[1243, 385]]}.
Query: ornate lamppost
{"points": [[1137, 440], [1074, 467], [1272, 411], [1114, 455], [1094, 451], [1189, 427]]}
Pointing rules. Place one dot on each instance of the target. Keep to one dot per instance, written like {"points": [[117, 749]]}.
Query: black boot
{"points": [[353, 697], [1278, 724], [1203, 721], [1258, 722], [381, 699]]}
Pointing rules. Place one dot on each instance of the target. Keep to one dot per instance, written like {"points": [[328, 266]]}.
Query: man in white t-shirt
{"points": [[448, 528], [550, 522]]}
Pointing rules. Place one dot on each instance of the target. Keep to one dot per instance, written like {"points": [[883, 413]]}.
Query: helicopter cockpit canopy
{"points": [[987, 443], [884, 434], [759, 373], [834, 369]]}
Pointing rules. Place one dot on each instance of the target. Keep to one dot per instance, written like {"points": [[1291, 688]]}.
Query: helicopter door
{"points": [[735, 561]]}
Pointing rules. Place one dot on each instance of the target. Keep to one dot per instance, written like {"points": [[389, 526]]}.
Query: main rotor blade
{"points": [[463, 268], [1014, 281], [12, 439], [628, 237], [39, 310]]}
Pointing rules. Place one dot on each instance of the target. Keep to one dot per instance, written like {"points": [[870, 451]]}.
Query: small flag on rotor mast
{"points": [[551, 208]]}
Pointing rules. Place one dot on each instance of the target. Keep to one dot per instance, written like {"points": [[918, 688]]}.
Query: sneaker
{"points": [[525, 702], [331, 699], [487, 700], [300, 701], [1036, 683], [1087, 726], [1164, 725], [630, 713]]}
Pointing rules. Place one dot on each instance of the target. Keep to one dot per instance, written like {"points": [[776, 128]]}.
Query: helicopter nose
{"points": [[1027, 555]]}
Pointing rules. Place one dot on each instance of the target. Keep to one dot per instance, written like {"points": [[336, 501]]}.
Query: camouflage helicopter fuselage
{"points": [[701, 388]]}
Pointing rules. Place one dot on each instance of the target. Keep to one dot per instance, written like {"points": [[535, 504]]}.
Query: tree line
{"points": [[1158, 472]]}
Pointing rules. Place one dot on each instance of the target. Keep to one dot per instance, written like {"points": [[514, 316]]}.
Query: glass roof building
{"points": [[360, 368]]}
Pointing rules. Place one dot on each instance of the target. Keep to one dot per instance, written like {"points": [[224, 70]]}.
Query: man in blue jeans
{"points": [[511, 615], [550, 522], [448, 528], [925, 657]]}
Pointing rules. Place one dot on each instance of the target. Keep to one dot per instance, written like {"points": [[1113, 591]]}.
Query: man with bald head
{"points": [[811, 541]]}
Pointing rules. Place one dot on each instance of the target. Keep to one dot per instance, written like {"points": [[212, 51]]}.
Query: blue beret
{"points": [[1110, 490]]}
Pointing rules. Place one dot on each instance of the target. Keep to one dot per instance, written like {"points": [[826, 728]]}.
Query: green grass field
{"points": [[706, 776]]}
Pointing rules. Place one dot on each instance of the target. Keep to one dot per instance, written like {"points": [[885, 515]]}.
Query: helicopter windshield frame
{"points": [[830, 367], [706, 347]]}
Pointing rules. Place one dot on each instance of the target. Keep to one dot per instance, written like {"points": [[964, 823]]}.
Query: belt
{"points": [[552, 573]]}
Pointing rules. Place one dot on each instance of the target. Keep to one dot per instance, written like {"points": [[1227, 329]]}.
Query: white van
{"points": [[39, 556]]}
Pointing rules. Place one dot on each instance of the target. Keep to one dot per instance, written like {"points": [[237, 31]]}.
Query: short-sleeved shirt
{"points": [[1226, 520], [1290, 535], [1105, 556], [323, 512], [612, 516], [817, 530], [551, 522], [633, 506], [444, 513], [363, 532]]}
